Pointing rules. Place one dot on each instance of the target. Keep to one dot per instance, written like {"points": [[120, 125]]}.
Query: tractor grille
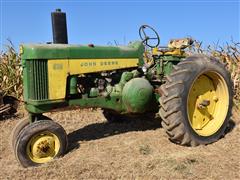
{"points": [[38, 79]]}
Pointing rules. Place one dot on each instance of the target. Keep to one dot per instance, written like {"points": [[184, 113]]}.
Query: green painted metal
{"points": [[65, 51], [73, 85], [137, 95], [35, 80], [126, 76], [94, 92], [168, 62], [39, 107], [112, 102]]}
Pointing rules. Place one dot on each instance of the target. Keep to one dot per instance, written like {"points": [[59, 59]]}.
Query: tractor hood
{"points": [[66, 51]]}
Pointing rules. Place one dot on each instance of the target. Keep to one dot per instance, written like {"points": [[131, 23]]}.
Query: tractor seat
{"points": [[180, 43], [175, 47]]}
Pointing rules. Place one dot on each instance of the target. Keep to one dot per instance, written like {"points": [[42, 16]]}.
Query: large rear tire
{"points": [[196, 101]]}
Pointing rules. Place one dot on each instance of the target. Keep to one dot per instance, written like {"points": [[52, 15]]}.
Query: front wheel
{"points": [[40, 142], [196, 101], [20, 125]]}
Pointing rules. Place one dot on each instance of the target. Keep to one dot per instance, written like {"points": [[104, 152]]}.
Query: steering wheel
{"points": [[145, 39]]}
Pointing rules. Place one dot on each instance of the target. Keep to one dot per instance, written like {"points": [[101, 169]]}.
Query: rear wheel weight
{"points": [[197, 106], [40, 142]]}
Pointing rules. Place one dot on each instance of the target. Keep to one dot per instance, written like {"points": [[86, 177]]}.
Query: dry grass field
{"points": [[135, 149]]}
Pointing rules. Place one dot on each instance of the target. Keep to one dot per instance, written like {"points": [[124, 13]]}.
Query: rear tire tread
{"points": [[170, 109]]}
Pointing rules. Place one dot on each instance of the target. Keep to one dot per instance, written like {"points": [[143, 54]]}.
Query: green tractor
{"points": [[192, 94]]}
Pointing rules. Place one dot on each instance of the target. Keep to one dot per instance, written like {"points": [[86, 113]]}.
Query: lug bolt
{"points": [[215, 98]]}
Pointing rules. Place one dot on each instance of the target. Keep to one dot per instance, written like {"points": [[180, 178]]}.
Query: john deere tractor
{"points": [[192, 94]]}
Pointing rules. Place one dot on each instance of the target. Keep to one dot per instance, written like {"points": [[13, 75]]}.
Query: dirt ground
{"points": [[135, 149]]}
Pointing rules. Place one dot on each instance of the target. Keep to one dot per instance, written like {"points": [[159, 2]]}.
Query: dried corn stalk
{"points": [[11, 73], [228, 54]]}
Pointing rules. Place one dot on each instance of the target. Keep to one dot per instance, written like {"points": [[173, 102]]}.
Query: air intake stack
{"points": [[59, 27]]}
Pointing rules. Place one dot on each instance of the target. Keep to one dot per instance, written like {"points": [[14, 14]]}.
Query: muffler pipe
{"points": [[59, 27]]}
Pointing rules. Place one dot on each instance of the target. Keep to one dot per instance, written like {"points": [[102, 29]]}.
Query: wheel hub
{"points": [[207, 103], [203, 104], [43, 147]]}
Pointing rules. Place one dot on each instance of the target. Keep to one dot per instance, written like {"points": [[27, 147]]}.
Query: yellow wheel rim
{"points": [[208, 101], [43, 147]]}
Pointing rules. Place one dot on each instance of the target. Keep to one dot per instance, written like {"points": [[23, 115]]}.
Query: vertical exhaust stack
{"points": [[59, 27]]}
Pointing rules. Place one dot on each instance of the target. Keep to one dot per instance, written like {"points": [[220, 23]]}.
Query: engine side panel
{"points": [[60, 69], [80, 66]]}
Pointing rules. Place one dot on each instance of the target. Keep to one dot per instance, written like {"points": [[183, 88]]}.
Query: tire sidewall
{"points": [[17, 129]]}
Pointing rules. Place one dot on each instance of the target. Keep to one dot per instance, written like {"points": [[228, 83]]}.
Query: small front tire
{"points": [[40, 142], [20, 125]]}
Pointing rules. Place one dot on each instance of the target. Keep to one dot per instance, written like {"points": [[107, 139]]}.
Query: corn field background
{"points": [[228, 54], [11, 70], [11, 73]]}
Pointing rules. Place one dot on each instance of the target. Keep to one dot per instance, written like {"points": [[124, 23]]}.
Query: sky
{"points": [[106, 22]]}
